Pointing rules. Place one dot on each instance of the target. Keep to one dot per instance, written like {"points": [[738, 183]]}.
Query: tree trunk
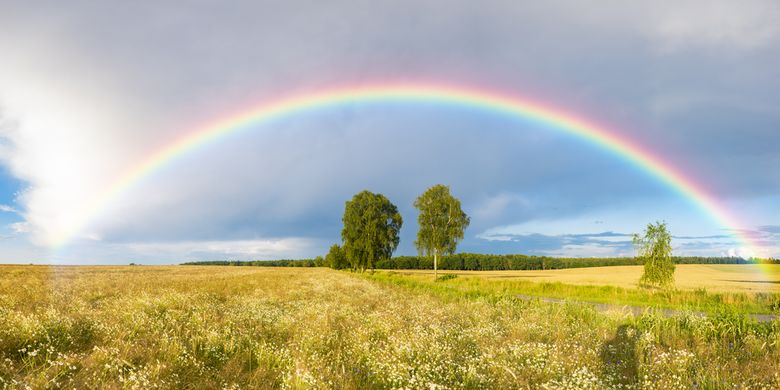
{"points": [[435, 259]]}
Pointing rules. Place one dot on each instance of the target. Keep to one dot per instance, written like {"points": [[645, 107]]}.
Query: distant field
{"points": [[716, 277], [148, 327]]}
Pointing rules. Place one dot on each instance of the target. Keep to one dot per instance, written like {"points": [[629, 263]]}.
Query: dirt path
{"points": [[635, 310]]}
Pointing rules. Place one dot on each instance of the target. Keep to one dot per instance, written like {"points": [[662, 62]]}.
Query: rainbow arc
{"points": [[246, 120]]}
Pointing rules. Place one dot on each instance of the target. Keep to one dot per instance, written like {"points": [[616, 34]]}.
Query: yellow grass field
{"points": [[712, 277], [193, 327]]}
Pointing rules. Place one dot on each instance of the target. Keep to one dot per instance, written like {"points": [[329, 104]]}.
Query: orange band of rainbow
{"points": [[469, 97]]}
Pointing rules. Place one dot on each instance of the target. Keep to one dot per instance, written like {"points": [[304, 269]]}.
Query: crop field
{"points": [[250, 327], [711, 277]]}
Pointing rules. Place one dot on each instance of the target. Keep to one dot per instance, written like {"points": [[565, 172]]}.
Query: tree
{"points": [[655, 247], [441, 221], [335, 258], [371, 227]]}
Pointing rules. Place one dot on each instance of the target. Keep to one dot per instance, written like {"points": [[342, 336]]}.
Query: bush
{"points": [[446, 277]]}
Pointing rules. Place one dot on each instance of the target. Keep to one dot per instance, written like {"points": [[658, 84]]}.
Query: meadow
{"points": [[710, 288], [252, 327], [750, 278]]}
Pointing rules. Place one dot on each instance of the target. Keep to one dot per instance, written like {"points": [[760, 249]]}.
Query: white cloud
{"points": [[174, 252], [716, 24], [67, 139], [494, 206], [592, 250], [244, 249], [7, 209], [21, 227], [676, 26]]}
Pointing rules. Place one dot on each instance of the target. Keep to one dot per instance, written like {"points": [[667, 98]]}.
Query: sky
{"points": [[90, 89]]}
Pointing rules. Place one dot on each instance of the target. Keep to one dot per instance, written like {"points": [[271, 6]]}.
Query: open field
{"points": [[712, 277], [246, 327], [701, 288]]}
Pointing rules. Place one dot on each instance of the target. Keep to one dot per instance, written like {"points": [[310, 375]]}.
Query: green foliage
{"points": [[259, 263], [335, 258], [489, 262], [371, 229], [698, 300], [655, 248], [446, 277], [441, 221]]}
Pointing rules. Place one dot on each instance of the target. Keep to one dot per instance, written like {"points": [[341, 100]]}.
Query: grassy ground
{"points": [[746, 278], [592, 285], [246, 327]]}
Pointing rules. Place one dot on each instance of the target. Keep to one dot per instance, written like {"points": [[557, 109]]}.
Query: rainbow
{"points": [[413, 93]]}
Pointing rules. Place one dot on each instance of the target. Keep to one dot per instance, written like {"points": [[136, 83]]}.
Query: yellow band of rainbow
{"points": [[414, 93]]}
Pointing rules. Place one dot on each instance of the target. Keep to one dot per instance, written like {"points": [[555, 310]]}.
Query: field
{"points": [[711, 277], [251, 327]]}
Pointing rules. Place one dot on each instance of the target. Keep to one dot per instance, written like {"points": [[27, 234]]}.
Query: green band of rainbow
{"points": [[473, 98]]}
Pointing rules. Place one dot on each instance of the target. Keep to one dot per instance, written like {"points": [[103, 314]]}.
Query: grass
{"points": [[246, 327], [747, 278], [591, 285]]}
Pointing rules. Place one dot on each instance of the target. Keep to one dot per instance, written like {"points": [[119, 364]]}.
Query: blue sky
{"points": [[90, 89]]}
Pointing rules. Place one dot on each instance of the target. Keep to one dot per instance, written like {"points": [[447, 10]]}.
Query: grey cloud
{"points": [[773, 229], [694, 89], [606, 243], [543, 242], [713, 237]]}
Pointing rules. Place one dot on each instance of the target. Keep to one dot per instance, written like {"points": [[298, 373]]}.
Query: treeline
{"points": [[487, 262], [318, 262]]}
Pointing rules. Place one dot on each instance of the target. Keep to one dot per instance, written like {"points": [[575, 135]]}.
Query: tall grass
{"points": [[245, 327], [695, 300]]}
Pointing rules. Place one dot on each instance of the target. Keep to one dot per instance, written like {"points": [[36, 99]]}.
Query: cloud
{"points": [[88, 92], [175, 252], [717, 24], [21, 227], [237, 249], [772, 229], [494, 206], [618, 244], [672, 27], [8, 209], [609, 243]]}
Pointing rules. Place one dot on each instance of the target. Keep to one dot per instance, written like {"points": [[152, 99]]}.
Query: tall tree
{"points": [[655, 247], [442, 223], [371, 227]]}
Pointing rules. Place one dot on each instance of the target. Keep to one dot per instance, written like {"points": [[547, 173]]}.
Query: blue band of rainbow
{"points": [[470, 97]]}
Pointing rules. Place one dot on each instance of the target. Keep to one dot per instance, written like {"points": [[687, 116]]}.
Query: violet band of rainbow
{"points": [[413, 93]]}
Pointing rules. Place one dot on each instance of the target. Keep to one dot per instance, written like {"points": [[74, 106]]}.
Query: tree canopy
{"points": [[335, 258], [371, 229], [655, 248], [442, 222]]}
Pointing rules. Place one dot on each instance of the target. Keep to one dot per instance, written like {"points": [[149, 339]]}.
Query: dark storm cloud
{"points": [[696, 89]]}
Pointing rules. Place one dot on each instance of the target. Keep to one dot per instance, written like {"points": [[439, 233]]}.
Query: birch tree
{"points": [[442, 223], [655, 247]]}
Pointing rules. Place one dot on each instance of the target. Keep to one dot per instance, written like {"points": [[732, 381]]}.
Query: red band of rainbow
{"points": [[470, 97]]}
